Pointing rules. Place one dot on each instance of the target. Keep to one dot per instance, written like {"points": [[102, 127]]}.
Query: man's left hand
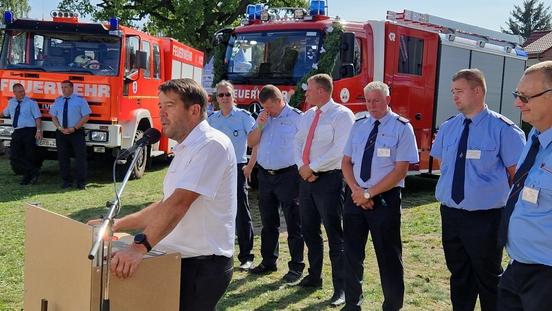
{"points": [[124, 263]]}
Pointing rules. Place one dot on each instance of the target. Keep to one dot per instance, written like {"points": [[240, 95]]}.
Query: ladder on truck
{"points": [[454, 28]]}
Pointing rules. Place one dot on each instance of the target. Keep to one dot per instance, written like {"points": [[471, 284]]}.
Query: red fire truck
{"points": [[116, 68], [415, 54]]}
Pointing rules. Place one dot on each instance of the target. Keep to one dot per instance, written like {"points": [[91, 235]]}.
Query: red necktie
{"points": [[310, 136]]}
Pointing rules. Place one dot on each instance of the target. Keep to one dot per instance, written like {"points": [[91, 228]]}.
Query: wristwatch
{"points": [[141, 238], [367, 194]]}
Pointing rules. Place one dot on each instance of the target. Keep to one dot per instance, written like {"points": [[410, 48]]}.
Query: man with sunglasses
{"points": [[236, 123], [478, 150], [526, 227]]}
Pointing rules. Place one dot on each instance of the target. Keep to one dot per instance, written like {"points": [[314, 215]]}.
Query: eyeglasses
{"points": [[224, 94], [525, 99]]}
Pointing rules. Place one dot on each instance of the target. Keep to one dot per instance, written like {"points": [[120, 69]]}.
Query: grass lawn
{"points": [[426, 277]]}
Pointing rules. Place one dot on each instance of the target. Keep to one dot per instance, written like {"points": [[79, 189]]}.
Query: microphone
{"points": [[151, 136]]}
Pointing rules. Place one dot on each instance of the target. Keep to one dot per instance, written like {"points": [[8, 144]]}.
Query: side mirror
{"points": [[141, 59], [347, 50], [347, 70]]}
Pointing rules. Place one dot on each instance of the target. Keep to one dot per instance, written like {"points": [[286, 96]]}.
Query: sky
{"points": [[491, 14]]}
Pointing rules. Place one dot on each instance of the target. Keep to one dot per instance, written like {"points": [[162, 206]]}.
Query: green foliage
{"points": [[531, 16], [191, 22], [326, 63], [19, 8]]}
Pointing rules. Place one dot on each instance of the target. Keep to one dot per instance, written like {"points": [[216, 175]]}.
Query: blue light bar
{"points": [[113, 23], [258, 10], [250, 11], [317, 7], [8, 17], [520, 52]]}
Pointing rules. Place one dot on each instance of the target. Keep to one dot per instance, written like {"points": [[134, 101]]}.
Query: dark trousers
{"points": [[244, 226], [23, 151], [322, 202], [525, 287], [384, 224], [472, 255], [203, 281], [280, 190], [66, 143]]}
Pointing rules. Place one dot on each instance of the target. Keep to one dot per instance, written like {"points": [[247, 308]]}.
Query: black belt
{"points": [[279, 171], [204, 257], [325, 173]]}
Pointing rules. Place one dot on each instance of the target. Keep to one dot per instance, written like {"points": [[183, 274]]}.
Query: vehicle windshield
{"points": [[55, 52], [281, 57]]}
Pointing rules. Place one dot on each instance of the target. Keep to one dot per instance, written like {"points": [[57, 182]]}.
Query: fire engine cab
{"points": [[415, 54], [115, 68]]}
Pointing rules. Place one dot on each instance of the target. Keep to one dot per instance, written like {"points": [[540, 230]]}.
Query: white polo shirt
{"points": [[205, 163]]}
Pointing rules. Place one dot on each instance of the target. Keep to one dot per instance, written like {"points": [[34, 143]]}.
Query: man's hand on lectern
{"points": [[125, 262]]}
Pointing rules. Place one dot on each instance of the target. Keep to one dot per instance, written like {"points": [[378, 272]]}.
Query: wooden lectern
{"points": [[57, 270]]}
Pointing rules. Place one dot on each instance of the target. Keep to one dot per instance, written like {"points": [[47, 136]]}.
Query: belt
{"points": [[279, 171], [325, 173]]}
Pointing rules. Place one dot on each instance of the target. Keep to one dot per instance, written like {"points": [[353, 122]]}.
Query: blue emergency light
{"points": [[8, 17], [520, 52], [317, 7], [113, 23], [254, 11]]}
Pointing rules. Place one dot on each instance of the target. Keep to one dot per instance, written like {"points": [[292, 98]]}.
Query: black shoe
{"points": [[292, 276], [81, 186], [337, 299], [310, 281], [262, 269], [66, 185]]}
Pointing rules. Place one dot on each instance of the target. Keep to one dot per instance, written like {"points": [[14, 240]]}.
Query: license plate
{"points": [[46, 142]]}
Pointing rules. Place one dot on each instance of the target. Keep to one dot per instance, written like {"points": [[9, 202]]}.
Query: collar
{"points": [[545, 138], [388, 116], [478, 117], [234, 109], [285, 111], [196, 135], [327, 106]]}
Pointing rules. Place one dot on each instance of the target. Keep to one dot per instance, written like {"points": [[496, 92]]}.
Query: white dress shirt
{"points": [[205, 163], [329, 139]]}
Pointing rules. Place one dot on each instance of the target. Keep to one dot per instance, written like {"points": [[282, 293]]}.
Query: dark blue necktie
{"points": [[65, 108], [517, 186], [366, 167], [460, 166], [16, 114]]}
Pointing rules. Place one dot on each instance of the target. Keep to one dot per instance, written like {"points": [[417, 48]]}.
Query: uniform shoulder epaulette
{"points": [[505, 120], [361, 118], [244, 111], [296, 110], [403, 120], [209, 114]]}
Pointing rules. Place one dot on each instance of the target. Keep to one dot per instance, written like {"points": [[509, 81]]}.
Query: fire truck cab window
{"points": [[156, 62], [53, 52], [132, 46], [411, 52], [281, 57], [146, 48], [357, 62]]}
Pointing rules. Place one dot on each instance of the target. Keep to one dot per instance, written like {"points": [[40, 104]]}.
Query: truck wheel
{"points": [[140, 168]]}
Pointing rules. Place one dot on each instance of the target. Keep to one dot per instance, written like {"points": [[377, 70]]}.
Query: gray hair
{"points": [[377, 86], [226, 83]]}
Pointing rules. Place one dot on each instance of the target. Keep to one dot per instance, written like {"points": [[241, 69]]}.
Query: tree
{"points": [[192, 22], [532, 16], [18, 7]]}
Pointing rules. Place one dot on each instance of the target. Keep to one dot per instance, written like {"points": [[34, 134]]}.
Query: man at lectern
{"points": [[197, 214]]}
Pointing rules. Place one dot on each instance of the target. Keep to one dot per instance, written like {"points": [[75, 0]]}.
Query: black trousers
{"points": [[244, 226], [280, 190], [384, 224], [525, 287], [77, 143], [23, 151], [203, 281], [322, 202], [473, 256]]}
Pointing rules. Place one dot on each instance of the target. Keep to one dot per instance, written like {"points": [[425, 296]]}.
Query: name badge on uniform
{"points": [[530, 195], [473, 154], [384, 152]]}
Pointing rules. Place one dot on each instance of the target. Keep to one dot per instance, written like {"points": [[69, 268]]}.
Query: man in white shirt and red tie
{"points": [[319, 147]]}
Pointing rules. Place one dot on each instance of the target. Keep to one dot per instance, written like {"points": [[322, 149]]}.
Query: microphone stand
{"points": [[104, 237]]}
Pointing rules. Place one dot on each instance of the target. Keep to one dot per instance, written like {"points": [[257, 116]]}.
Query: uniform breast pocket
{"points": [[358, 143], [449, 154], [386, 147], [484, 157], [286, 136], [324, 134], [544, 185]]}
